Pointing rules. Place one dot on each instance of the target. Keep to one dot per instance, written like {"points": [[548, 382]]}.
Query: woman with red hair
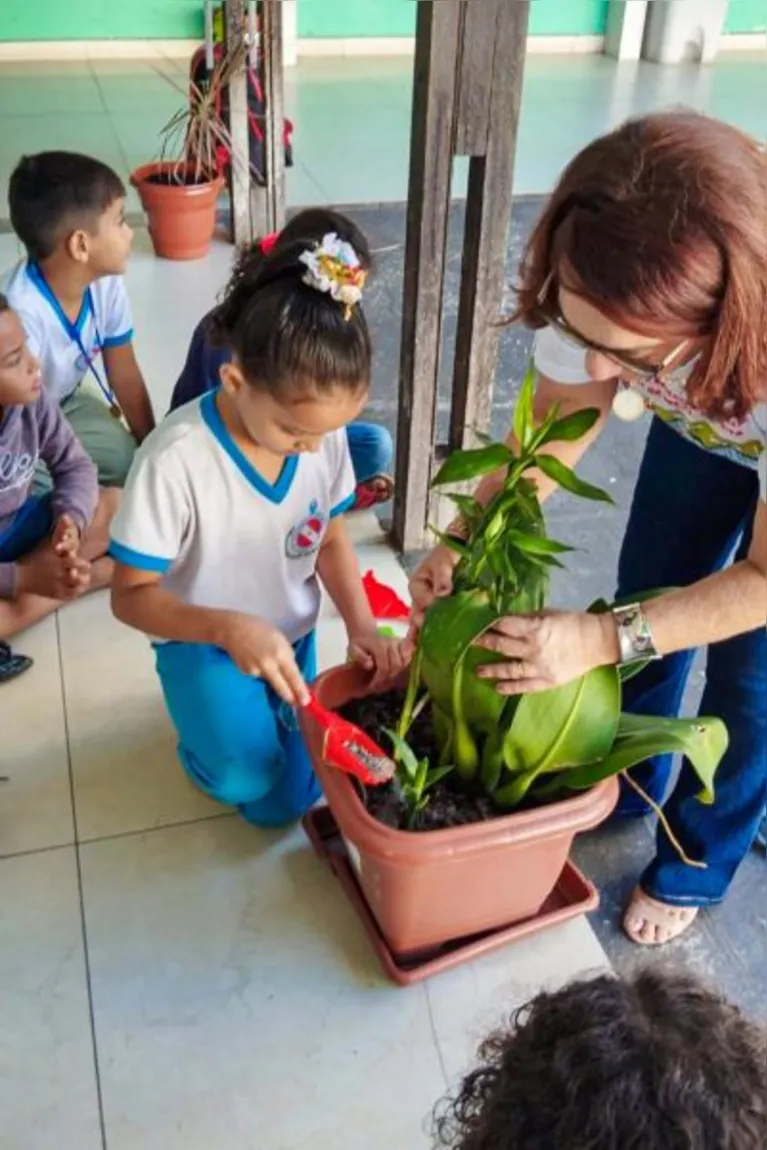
{"points": [[646, 279]]}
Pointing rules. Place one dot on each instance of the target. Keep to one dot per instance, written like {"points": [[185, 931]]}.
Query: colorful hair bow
{"points": [[334, 267]]}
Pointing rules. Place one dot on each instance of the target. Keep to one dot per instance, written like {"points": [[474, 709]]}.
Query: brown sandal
{"points": [[648, 922]]}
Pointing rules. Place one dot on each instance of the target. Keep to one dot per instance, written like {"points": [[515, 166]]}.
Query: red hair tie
{"points": [[268, 243]]}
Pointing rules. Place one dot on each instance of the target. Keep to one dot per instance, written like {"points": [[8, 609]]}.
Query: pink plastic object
{"points": [[384, 602], [349, 749]]}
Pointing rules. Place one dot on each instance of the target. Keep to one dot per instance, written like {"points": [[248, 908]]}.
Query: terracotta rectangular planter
{"points": [[573, 895], [428, 888]]}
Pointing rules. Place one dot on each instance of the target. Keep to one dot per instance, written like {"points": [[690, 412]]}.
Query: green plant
{"points": [[191, 139], [536, 745], [415, 777]]}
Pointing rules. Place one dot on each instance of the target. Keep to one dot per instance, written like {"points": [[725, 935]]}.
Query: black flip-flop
{"points": [[12, 665]]}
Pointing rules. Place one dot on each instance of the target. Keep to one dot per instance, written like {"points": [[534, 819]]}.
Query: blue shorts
{"points": [[238, 742], [31, 524]]}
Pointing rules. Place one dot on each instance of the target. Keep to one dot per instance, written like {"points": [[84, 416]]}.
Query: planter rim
{"points": [[141, 175], [566, 816], [552, 818]]}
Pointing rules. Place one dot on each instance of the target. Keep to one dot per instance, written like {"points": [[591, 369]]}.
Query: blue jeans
{"points": [[237, 741], [371, 449], [691, 511]]}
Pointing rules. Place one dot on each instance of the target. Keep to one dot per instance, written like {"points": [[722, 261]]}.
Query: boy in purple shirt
{"points": [[52, 547]]}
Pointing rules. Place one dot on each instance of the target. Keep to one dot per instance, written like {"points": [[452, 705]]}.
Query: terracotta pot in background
{"points": [[428, 888], [182, 217]]}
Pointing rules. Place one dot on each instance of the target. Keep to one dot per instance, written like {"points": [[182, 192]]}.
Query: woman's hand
{"points": [[384, 656], [259, 649], [548, 649], [432, 579]]}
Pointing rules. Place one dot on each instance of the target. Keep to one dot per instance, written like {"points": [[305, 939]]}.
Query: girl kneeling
{"points": [[232, 516]]}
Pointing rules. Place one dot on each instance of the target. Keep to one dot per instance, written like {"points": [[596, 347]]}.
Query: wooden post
{"points": [[256, 209], [274, 149], [467, 90], [242, 227]]}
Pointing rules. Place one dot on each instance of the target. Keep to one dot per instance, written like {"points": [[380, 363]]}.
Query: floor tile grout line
{"points": [[107, 838], [99, 89], [160, 827], [83, 923]]}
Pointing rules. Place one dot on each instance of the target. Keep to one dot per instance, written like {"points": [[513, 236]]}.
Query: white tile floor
{"points": [[352, 114], [170, 978]]}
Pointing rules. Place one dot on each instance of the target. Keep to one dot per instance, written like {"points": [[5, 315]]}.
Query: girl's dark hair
{"points": [[662, 226], [284, 333], [653, 1062], [4, 305]]}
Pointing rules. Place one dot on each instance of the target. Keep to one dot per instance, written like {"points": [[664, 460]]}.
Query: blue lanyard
{"points": [[74, 334]]}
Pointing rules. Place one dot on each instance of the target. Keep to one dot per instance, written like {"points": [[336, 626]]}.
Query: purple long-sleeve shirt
{"points": [[39, 431]]}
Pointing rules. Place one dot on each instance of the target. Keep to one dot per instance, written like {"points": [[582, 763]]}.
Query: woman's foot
{"points": [[372, 492], [12, 665], [649, 922]]}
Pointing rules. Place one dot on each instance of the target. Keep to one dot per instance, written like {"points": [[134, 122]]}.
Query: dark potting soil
{"points": [[448, 805]]}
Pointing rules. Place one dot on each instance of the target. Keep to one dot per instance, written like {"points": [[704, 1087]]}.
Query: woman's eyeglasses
{"points": [[552, 315]]}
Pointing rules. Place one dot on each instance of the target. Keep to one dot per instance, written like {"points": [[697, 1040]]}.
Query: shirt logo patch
{"points": [[305, 538], [83, 361]]}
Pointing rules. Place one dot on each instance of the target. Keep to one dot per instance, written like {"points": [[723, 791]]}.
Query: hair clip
{"points": [[334, 267], [268, 243]]}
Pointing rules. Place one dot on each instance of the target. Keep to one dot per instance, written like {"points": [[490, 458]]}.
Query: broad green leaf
{"points": [[572, 427], [535, 544], [473, 464], [568, 480], [524, 426], [567, 726], [703, 742]]}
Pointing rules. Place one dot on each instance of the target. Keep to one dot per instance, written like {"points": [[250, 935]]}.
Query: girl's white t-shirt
{"points": [[197, 513], [740, 440]]}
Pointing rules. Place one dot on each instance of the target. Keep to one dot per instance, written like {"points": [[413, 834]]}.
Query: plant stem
{"points": [[664, 823]]}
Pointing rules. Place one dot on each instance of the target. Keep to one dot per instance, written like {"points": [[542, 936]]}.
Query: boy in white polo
{"points": [[69, 212]]}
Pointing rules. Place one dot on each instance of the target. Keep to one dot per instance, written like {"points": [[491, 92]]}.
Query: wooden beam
{"points": [[488, 218], [431, 153], [274, 148], [242, 224]]}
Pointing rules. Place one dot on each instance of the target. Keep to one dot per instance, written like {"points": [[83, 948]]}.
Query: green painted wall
{"points": [[100, 19], [746, 16], [328, 19], [182, 19]]}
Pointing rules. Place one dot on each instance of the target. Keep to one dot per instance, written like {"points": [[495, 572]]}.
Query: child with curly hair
{"points": [[653, 1062]]}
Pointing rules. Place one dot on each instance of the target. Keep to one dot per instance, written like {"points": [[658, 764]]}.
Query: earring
{"points": [[628, 404]]}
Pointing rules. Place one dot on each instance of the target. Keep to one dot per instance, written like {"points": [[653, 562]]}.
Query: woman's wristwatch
{"points": [[634, 635]]}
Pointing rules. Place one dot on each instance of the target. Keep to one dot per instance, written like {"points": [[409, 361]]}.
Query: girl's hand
{"points": [[259, 649], [432, 579], [384, 656], [548, 649]]}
